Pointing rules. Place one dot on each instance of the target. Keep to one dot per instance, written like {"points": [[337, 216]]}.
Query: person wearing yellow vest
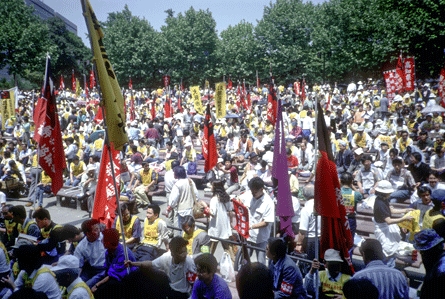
{"points": [[143, 181], [43, 187], [67, 274], [5, 269], [361, 139], [132, 226], [437, 197], [77, 169], [11, 232], [25, 225], [331, 280], [33, 274], [98, 145], [155, 233], [198, 240], [52, 244]]}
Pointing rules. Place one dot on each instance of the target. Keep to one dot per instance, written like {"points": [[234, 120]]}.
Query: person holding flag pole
{"points": [[114, 123]]}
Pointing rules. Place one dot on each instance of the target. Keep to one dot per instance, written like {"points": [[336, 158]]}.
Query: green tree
{"points": [[131, 43], [189, 43], [23, 39], [70, 52]]}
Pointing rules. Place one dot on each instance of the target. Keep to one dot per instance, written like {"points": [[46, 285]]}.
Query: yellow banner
{"points": [[197, 102], [112, 98], [4, 112], [220, 99], [11, 102]]}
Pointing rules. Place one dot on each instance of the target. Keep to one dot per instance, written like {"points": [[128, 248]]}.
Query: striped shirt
{"points": [[390, 282]]}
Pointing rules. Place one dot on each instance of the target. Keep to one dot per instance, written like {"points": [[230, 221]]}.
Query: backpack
{"points": [[192, 168]]}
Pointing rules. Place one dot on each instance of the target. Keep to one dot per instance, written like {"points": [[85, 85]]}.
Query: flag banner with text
{"points": [[105, 197], [7, 108], [390, 83], [209, 151], [112, 98], [329, 203], [220, 99], [409, 73], [272, 103], [242, 218], [197, 102], [441, 89], [47, 133]]}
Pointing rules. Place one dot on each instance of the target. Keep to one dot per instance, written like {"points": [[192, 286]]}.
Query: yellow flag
{"points": [[197, 102], [112, 98], [220, 99], [78, 90]]}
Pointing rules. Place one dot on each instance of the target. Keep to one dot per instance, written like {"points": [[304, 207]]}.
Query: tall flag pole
{"points": [[272, 101], [335, 231], [281, 177], [114, 119], [209, 144], [400, 74], [47, 132]]}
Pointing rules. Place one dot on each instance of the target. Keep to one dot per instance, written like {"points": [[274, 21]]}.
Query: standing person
{"points": [[208, 285], [35, 174], [287, 278], [231, 175], [386, 229], [351, 198], [261, 216], [89, 184], [430, 246], [183, 195], [220, 206], [390, 282]]}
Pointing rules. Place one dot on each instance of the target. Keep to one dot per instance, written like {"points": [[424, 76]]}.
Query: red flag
{"points": [[166, 80], [279, 172], [272, 103], [297, 88], [132, 112], [303, 91], [47, 133], [442, 86], [400, 75], [62, 84], [167, 108], [153, 109], [209, 143], [92, 80], [85, 83], [229, 84], [105, 197], [242, 218], [335, 232], [130, 84], [99, 117], [390, 83], [73, 82]]}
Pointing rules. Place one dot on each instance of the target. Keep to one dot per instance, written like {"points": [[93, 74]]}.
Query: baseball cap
{"points": [[426, 239], [66, 262], [332, 255]]}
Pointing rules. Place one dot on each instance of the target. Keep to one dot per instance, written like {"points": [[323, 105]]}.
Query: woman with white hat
{"points": [[386, 229]]}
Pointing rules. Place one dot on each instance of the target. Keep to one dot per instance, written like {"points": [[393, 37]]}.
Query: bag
{"points": [[226, 268], [192, 168]]}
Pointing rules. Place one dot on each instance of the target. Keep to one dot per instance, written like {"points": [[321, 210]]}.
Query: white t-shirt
{"points": [[262, 209], [307, 219]]}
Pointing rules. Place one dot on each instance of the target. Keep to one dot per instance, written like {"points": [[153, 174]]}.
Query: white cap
{"points": [[358, 151], [332, 255], [384, 187], [66, 262]]}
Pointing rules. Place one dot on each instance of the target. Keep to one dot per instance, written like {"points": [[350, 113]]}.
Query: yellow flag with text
{"points": [[197, 102], [112, 98], [220, 99]]}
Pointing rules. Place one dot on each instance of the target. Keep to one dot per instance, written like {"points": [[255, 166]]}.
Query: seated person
{"points": [[424, 203], [132, 226], [247, 282], [331, 280], [77, 169], [401, 180], [208, 285], [143, 182], [288, 281], [43, 187], [155, 233], [178, 266], [198, 240], [110, 286], [91, 253]]}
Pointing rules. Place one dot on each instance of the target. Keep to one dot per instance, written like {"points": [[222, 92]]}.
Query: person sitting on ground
{"points": [[247, 282], [132, 226], [11, 232], [402, 182], [51, 245], [25, 225], [287, 278], [331, 280], [155, 233], [231, 175], [33, 273], [178, 266], [110, 286], [67, 274], [209, 285], [89, 184], [424, 202], [143, 182], [44, 186], [77, 169], [91, 253], [198, 239], [390, 282]]}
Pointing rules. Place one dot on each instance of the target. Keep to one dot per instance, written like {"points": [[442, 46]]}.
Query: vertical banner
{"points": [[12, 101], [303, 91], [390, 83], [73, 82], [220, 99], [209, 143], [166, 80], [242, 218], [61, 84], [197, 102], [297, 88], [92, 80], [4, 107], [441, 89], [272, 103], [410, 73]]}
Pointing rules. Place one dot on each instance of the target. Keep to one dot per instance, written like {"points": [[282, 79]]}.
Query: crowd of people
{"points": [[386, 151]]}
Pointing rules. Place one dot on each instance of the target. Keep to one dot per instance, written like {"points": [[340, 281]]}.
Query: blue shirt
{"points": [[390, 282], [115, 263], [287, 278], [218, 289]]}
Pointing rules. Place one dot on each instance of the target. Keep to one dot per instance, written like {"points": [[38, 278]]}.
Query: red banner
{"points": [[167, 108], [229, 84], [390, 83], [410, 73], [209, 151], [272, 104], [399, 76], [73, 82], [92, 80], [166, 80], [61, 84], [47, 133], [105, 197], [130, 84], [132, 112], [303, 91], [442, 86], [297, 88], [242, 218]]}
